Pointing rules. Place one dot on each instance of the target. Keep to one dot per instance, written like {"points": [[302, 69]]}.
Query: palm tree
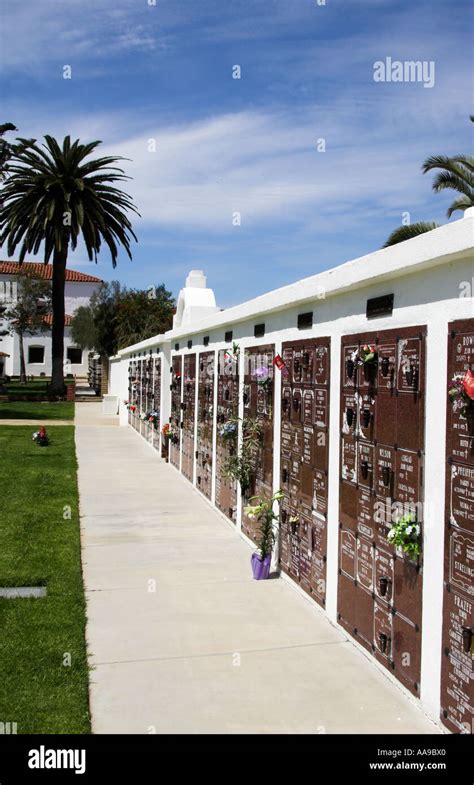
{"points": [[52, 195], [5, 147], [457, 173], [407, 231]]}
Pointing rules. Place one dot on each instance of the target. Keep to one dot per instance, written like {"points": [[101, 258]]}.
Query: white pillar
{"points": [[433, 528], [214, 429], [332, 550], [165, 393], [122, 390], [195, 424], [277, 381]]}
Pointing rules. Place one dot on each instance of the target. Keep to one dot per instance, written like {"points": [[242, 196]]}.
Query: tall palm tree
{"points": [[52, 195], [457, 173], [407, 231]]}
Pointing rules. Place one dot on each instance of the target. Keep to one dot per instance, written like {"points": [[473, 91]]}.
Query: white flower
{"points": [[409, 529], [391, 534], [417, 528]]}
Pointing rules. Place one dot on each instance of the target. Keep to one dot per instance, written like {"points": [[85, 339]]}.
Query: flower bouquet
{"points": [[364, 354], [262, 375], [405, 533], [228, 431], [175, 380], [461, 393], [234, 354], [41, 437], [263, 513], [153, 417], [365, 357], [241, 467], [169, 433]]}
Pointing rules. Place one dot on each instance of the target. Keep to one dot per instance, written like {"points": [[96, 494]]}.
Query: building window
{"points": [[74, 355], [36, 355]]}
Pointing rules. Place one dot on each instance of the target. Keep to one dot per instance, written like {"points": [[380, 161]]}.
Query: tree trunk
{"points": [[22, 359], [57, 386]]}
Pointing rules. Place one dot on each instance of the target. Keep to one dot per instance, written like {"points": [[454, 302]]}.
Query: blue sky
{"points": [[163, 72]]}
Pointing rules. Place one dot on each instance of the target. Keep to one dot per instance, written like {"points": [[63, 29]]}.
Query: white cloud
{"points": [[261, 162], [38, 32], [266, 166]]}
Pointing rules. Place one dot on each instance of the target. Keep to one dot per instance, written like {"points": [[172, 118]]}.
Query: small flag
{"points": [[278, 362]]}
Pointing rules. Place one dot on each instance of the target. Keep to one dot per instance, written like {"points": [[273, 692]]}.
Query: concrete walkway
{"points": [[183, 640], [91, 414]]}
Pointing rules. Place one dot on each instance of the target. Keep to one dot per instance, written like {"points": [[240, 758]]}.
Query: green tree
{"points": [[456, 174], [117, 317], [105, 303], [142, 314], [7, 149], [83, 329], [406, 232], [52, 196], [94, 326], [27, 314]]}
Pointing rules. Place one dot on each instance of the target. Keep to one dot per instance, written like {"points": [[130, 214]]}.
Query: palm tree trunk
{"points": [[22, 358], [57, 386]]}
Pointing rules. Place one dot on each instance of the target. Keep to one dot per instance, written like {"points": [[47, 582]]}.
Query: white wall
{"points": [[431, 278], [12, 367], [118, 385], [76, 294]]}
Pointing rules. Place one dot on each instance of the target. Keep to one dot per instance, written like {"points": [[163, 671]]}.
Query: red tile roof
{"points": [[48, 319], [46, 271]]}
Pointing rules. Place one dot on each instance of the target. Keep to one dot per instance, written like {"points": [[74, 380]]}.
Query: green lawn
{"points": [[38, 546], [36, 387], [36, 410]]}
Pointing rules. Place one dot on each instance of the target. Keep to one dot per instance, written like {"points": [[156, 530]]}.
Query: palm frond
{"points": [[464, 185], [463, 203], [408, 232], [46, 181], [460, 165]]}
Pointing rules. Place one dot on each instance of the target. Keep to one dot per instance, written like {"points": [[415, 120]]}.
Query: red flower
{"points": [[468, 385]]}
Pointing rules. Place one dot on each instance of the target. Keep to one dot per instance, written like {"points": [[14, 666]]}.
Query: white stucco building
{"points": [[78, 291], [338, 438]]}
